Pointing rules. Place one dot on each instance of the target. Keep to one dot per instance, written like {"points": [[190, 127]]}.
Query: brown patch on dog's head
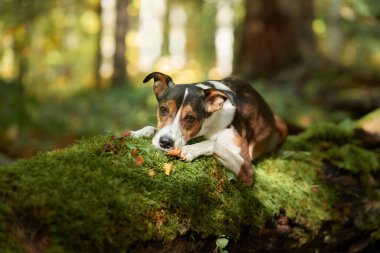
{"points": [[191, 122], [161, 83], [166, 113]]}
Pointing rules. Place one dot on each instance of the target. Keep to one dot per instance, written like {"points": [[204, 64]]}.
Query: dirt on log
{"points": [[320, 192]]}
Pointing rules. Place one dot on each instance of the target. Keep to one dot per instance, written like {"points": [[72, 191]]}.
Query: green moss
{"points": [[92, 197], [294, 185], [320, 133], [353, 158]]}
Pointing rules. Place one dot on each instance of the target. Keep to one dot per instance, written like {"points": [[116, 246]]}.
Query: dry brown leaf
{"points": [[151, 173], [174, 152], [134, 152], [139, 160], [160, 218], [168, 167]]}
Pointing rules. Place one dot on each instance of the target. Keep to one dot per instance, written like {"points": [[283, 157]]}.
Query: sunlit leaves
{"points": [[168, 167]]}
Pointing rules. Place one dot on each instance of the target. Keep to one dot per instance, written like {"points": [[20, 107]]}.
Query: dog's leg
{"points": [[241, 166], [143, 132], [229, 159], [282, 129]]}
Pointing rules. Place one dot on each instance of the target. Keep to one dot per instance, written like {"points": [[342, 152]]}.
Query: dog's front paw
{"points": [[144, 132], [126, 133], [184, 153], [187, 154]]}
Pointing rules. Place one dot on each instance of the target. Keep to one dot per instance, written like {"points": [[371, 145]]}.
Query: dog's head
{"points": [[182, 110]]}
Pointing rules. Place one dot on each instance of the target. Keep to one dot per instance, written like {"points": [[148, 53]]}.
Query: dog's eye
{"points": [[189, 119], [164, 111]]}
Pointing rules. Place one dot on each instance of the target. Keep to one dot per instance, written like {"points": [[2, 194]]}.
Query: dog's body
{"points": [[235, 120]]}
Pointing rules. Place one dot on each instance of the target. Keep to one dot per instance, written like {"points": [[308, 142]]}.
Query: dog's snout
{"points": [[166, 142]]}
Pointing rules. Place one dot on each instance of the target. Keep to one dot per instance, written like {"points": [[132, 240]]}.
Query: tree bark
{"points": [[120, 73], [276, 34], [98, 56], [22, 41]]}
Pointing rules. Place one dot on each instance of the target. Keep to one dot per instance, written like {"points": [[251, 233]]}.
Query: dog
{"points": [[230, 114]]}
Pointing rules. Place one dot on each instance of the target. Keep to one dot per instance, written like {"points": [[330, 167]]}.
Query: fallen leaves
{"points": [[110, 148], [139, 160], [168, 167], [174, 152], [151, 173]]}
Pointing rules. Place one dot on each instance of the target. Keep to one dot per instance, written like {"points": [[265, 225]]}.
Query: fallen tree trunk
{"points": [[320, 192]]}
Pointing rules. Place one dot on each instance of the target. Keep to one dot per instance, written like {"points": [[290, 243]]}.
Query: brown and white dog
{"points": [[235, 120]]}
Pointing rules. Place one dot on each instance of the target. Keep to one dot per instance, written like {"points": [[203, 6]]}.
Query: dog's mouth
{"points": [[164, 149], [166, 144]]}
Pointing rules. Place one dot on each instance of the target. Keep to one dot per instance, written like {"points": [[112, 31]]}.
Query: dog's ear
{"points": [[215, 99], [161, 82]]}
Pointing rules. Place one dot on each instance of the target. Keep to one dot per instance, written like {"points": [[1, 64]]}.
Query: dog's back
{"points": [[255, 120]]}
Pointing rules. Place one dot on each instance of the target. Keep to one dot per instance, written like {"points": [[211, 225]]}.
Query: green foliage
{"points": [[27, 10], [366, 7], [96, 111], [87, 113]]}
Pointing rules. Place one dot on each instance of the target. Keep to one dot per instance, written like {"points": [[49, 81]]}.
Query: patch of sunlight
{"points": [[7, 64], [319, 26], [166, 65], [54, 57], [150, 32], [90, 22], [347, 13], [375, 58], [213, 73], [177, 36], [107, 44], [133, 9], [224, 38]]}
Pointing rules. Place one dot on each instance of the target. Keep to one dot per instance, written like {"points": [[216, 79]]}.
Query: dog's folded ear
{"points": [[215, 99], [161, 82]]}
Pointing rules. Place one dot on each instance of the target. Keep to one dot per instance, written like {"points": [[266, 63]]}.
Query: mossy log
{"points": [[321, 191]]}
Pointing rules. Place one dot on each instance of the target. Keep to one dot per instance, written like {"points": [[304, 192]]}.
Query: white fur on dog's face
{"points": [[173, 129]]}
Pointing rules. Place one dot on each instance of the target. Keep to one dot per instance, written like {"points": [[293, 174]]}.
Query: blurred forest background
{"points": [[75, 68]]}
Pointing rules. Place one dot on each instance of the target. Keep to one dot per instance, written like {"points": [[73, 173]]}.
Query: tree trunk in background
{"points": [[335, 32], [276, 35], [21, 47], [120, 73], [98, 57], [166, 30]]}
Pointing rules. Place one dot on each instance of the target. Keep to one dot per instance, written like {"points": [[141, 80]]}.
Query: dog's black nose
{"points": [[166, 142]]}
